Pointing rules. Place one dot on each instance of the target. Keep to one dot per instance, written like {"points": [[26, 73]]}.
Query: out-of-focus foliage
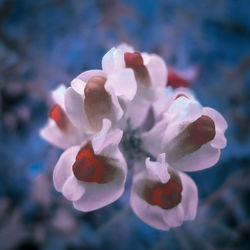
{"points": [[47, 42]]}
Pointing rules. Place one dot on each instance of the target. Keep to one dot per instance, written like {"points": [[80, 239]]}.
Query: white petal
{"points": [[86, 75], [73, 189], [151, 215], [105, 137], [157, 170], [217, 117], [189, 200], [185, 109], [174, 217], [53, 135], [164, 219], [203, 158], [58, 95], [117, 110], [75, 109], [151, 140], [63, 168], [78, 85], [157, 69], [113, 61], [125, 48], [99, 195], [137, 113], [123, 83], [220, 126]]}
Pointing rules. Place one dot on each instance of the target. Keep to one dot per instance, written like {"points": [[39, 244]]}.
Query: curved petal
{"points": [[151, 140], [58, 95], [99, 195], [105, 137], [158, 169], [53, 135], [220, 126], [203, 158], [174, 217], [125, 47], [217, 117], [157, 69], [113, 61], [86, 75], [164, 219], [117, 109], [189, 200], [73, 189], [137, 113], [63, 168], [75, 109], [123, 83], [151, 215], [78, 85]]}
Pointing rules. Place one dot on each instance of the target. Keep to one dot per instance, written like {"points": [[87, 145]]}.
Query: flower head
{"points": [[59, 129], [192, 136], [92, 175], [128, 98], [163, 197]]}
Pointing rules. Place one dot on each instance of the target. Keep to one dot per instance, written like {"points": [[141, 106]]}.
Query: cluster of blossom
{"points": [[133, 92]]}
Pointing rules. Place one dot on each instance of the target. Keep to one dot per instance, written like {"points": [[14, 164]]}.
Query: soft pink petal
{"points": [[53, 135], [151, 140], [151, 215], [58, 95], [157, 170], [113, 61], [63, 168], [100, 195], [78, 85], [157, 70], [125, 47], [189, 197], [75, 109], [220, 126], [73, 189], [86, 75], [123, 83], [203, 158], [106, 137], [137, 113]]}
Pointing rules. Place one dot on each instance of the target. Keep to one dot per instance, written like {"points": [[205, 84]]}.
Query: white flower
{"points": [[59, 130], [191, 136], [169, 95], [98, 94], [150, 73], [92, 175], [162, 197]]}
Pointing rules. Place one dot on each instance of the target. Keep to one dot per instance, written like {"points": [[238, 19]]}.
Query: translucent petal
{"points": [[63, 168], [113, 61], [73, 189], [123, 83]]}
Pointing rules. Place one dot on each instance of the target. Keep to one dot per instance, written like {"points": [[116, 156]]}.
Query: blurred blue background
{"points": [[47, 42]]}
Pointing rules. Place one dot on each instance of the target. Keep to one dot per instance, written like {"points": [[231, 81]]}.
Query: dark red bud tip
{"points": [[89, 167], [58, 115], [133, 60], [166, 195], [175, 81], [201, 131], [181, 95]]}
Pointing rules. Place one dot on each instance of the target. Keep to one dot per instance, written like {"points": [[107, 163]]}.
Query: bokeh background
{"points": [[47, 42]]}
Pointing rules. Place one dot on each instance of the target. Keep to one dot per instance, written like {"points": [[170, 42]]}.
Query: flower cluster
{"points": [[133, 107]]}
